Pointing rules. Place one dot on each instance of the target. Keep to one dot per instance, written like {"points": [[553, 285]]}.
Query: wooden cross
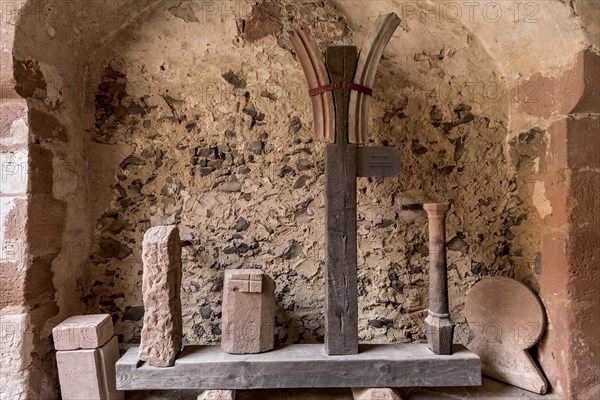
{"points": [[344, 162]]}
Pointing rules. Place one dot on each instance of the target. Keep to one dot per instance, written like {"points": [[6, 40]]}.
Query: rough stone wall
{"points": [[475, 102], [214, 129]]}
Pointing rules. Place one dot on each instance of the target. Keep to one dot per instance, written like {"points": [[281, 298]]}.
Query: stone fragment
{"points": [[241, 225], [248, 318], [264, 21], [375, 394], [301, 181], [217, 395], [256, 147], [230, 187], [506, 318], [234, 80], [89, 373], [295, 125], [162, 331], [83, 332]]}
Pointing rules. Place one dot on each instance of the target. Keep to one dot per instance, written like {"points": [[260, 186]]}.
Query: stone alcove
{"points": [[148, 58]]}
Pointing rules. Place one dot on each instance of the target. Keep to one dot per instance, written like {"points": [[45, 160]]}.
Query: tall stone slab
{"points": [[162, 332], [248, 320]]}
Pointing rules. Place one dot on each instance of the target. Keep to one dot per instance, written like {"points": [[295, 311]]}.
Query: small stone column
{"points": [[248, 320], [438, 325], [88, 352], [161, 284]]}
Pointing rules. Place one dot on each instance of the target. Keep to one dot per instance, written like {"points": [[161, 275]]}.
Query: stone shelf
{"points": [[303, 366]]}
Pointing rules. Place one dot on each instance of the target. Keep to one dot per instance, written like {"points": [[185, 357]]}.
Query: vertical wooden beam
{"points": [[438, 325], [341, 295]]}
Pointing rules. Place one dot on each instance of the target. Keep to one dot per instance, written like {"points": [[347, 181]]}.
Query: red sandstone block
{"points": [[552, 96], [12, 284], [46, 222], [46, 126], [590, 101], [43, 311], [38, 279], [40, 170], [6, 70], [554, 355], [83, 332], [585, 349], [248, 318], [89, 374], [583, 142], [162, 334], [13, 216], [584, 200], [555, 265], [584, 261], [9, 112]]}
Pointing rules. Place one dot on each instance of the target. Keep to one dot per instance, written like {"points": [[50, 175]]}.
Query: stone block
{"points": [[583, 148], [83, 332], [89, 373], [162, 334], [15, 339], [13, 171], [375, 394], [248, 321], [217, 395]]}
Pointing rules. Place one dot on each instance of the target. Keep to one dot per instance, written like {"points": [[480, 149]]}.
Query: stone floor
{"points": [[490, 390]]}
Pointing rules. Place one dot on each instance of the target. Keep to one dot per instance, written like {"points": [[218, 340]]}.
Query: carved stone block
{"points": [[375, 394], [217, 395], [161, 338], [248, 320], [89, 373], [83, 332]]}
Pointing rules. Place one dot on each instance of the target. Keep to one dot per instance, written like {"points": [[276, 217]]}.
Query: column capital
{"points": [[436, 208]]}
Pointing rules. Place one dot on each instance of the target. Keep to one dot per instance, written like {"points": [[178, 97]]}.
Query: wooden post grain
{"points": [[438, 325], [341, 294]]}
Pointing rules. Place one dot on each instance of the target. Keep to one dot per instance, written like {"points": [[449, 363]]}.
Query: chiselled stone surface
{"points": [[89, 373], [217, 395], [162, 332], [83, 332], [248, 320], [375, 394]]}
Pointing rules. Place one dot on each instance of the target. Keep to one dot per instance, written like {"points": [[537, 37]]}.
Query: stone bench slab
{"points": [[303, 366]]}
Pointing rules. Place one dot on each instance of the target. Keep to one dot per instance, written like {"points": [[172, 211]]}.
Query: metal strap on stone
{"points": [[311, 61], [368, 61], [340, 85]]}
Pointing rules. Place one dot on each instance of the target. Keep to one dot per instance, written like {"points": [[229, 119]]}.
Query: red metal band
{"points": [[340, 85]]}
